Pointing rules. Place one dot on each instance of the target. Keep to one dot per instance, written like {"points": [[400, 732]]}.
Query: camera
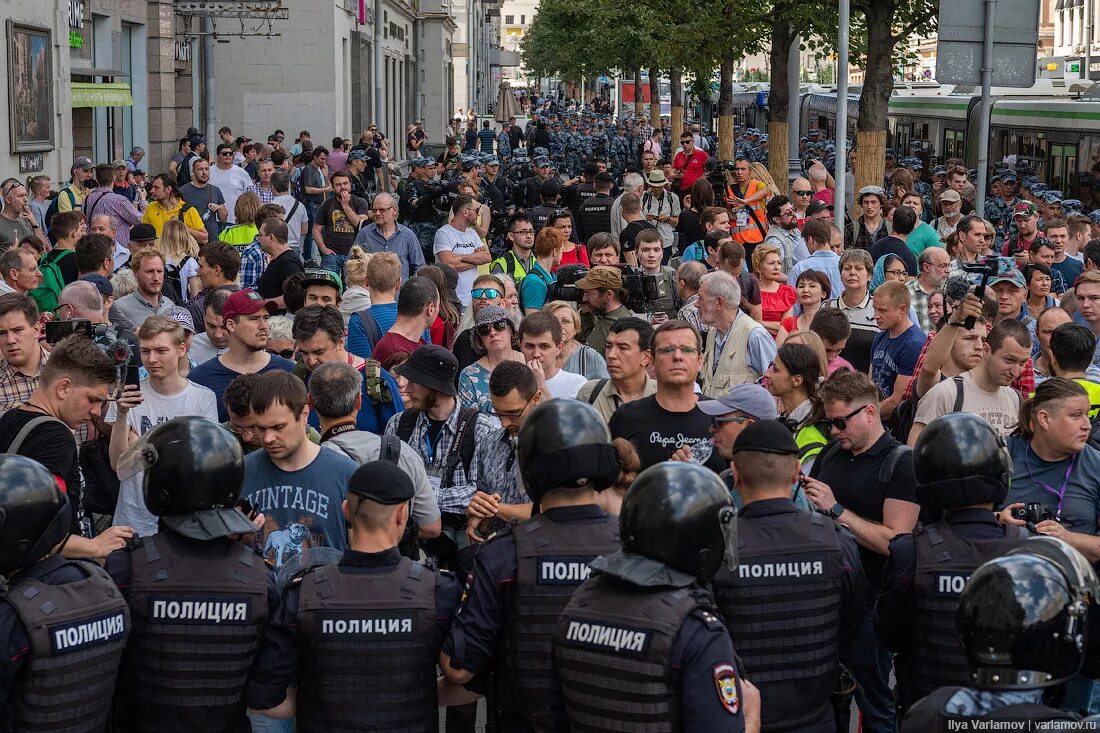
{"points": [[57, 330], [564, 288], [642, 289], [1033, 512]]}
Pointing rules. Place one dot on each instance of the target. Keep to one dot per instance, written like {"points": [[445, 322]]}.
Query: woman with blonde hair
{"points": [[575, 357], [245, 230], [181, 263], [760, 173], [777, 298], [356, 297]]}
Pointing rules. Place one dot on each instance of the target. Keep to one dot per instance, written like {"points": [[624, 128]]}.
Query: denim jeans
{"points": [[870, 664], [307, 244], [264, 724], [334, 263], [1082, 695]]}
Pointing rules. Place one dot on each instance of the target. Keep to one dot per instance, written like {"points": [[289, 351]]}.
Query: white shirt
{"points": [[449, 239], [232, 183], [6, 289], [155, 409], [202, 350], [293, 223], [120, 257], [565, 384]]}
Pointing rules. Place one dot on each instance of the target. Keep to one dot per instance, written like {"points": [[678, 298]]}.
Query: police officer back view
{"points": [[360, 639], [64, 621], [1018, 641], [640, 646], [565, 456], [200, 596], [795, 601], [963, 468]]}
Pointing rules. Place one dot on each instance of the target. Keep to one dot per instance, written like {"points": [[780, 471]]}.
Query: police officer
{"points": [[962, 468], [64, 623], [417, 197], [360, 639], [199, 594], [645, 613], [528, 196], [523, 577], [1023, 624], [796, 599]]}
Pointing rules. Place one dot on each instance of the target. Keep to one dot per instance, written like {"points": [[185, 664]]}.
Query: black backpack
{"points": [[901, 421], [173, 278], [462, 448]]}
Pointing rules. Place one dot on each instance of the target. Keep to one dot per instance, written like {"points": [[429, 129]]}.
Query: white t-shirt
{"points": [[293, 223], [449, 239], [194, 400], [1000, 409], [232, 183], [202, 350], [565, 384]]}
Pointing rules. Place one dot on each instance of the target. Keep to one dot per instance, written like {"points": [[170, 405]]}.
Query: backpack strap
{"points": [[886, 472], [390, 449], [596, 391], [374, 333], [25, 431], [958, 380], [293, 209], [463, 446], [406, 424]]}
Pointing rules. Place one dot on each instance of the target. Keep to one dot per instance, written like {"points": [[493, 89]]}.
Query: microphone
{"points": [[955, 288]]}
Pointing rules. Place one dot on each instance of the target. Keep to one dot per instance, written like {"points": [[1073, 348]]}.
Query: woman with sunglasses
{"points": [[793, 378], [575, 356], [812, 290], [492, 336]]}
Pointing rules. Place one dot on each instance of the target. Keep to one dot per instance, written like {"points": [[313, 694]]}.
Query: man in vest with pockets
{"points": [[523, 577], [795, 601], [354, 644], [444, 433], [962, 468], [738, 349], [199, 592]]}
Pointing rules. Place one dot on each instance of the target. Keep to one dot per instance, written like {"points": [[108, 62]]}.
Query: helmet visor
{"points": [[727, 517], [141, 456]]}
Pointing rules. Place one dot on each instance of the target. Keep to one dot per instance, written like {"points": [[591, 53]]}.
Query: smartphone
{"points": [[133, 376]]}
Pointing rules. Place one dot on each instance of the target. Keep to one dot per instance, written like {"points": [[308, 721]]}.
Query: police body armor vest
{"points": [[594, 214], [612, 650], [198, 623], [368, 650], [944, 563], [77, 632], [782, 606], [552, 561]]}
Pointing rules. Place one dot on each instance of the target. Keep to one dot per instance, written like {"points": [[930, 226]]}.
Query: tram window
{"points": [[1063, 166], [953, 144]]}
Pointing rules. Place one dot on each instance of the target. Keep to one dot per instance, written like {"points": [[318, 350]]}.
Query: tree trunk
{"points": [[725, 109], [874, 98], [639, 104], [676, 87], [654, 96], [779, 103]]}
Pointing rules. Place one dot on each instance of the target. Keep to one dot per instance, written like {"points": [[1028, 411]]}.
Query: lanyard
{"points": [[1060, 492]]}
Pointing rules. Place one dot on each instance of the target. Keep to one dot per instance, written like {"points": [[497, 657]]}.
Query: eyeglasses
{"points": [[486, 329], [226, 152], [802, 193], [512, 415], [670, 350], [841, 423], [896, 273], [490, 293], [718, 422], [285, 353], [523, 231], [382, 210]]}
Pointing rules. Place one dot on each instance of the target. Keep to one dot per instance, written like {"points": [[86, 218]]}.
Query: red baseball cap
{"points": [[245, 303]]}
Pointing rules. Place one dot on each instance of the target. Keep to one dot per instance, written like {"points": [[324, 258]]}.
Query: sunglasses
{"points": [[285, 353], [490, 293], [841, 423], [718, 422], [486, 329], [802, 193]]}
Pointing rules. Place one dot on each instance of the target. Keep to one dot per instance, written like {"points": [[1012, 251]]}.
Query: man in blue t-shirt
{"points": [[319, 336], [383, 279], [299, 488], [246, 314], [896, 347]]}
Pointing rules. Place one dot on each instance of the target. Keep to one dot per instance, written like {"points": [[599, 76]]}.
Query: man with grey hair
{"points": [[934, 265], [133, 161], [738, 349], [384, 234], [632, 183], [688, 278], [19, 270], [105, 224], [335, 397]]}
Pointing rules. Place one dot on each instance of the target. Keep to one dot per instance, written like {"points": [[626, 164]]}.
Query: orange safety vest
{"points": [[743, 228]]}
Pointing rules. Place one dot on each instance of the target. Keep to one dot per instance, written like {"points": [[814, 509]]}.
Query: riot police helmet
{"points": [[960, 460], [565, 444], [1023, 617], [34, 515], [681, 515]]}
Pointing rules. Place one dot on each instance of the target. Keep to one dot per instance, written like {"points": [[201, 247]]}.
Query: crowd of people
{"points": [[575, 409]]}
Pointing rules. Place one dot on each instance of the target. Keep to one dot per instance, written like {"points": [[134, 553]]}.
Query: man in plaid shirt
{"points": [[444, 433], [23, 356], [933, 264]]}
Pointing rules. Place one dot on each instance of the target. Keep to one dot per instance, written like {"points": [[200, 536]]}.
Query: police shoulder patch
{"points": [[725, 683]]}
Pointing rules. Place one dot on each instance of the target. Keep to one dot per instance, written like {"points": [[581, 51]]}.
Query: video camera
{"points": [[57, 330], [642, 288]]}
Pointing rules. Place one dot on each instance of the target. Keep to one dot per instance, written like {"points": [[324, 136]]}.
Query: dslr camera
{"points": [[57, 330], [1033, 512]]}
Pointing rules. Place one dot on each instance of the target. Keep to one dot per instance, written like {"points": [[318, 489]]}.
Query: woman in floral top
{"points": [[492, 335]]}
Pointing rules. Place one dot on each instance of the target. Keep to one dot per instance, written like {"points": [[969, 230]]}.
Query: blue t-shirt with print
{"points": [[302, 508], [894, 357]]}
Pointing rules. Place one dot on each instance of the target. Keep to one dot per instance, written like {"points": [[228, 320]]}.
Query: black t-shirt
{"points": [[630, 233], [52, 444], [656, 433], [856, 486], [894, 246], [66, 263], [464, 352], [280, 268], [337, 229], [691, 231]]}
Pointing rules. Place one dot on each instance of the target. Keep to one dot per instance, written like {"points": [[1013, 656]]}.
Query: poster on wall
{"points": [[30, 88]]}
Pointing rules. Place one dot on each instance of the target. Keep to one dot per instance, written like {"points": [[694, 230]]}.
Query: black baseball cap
{"points": [[383, 482], [816, 207], [766, 436]]}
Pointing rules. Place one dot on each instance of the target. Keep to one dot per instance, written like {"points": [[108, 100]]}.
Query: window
{"points": [[953, 144], [509, 19], [523, 20]]}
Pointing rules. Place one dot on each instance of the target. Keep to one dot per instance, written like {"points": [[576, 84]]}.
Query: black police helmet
{"points": [[959, 460], [565, 444], [1023, 617], [34, 514], [678, 514], [195, 465]]}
